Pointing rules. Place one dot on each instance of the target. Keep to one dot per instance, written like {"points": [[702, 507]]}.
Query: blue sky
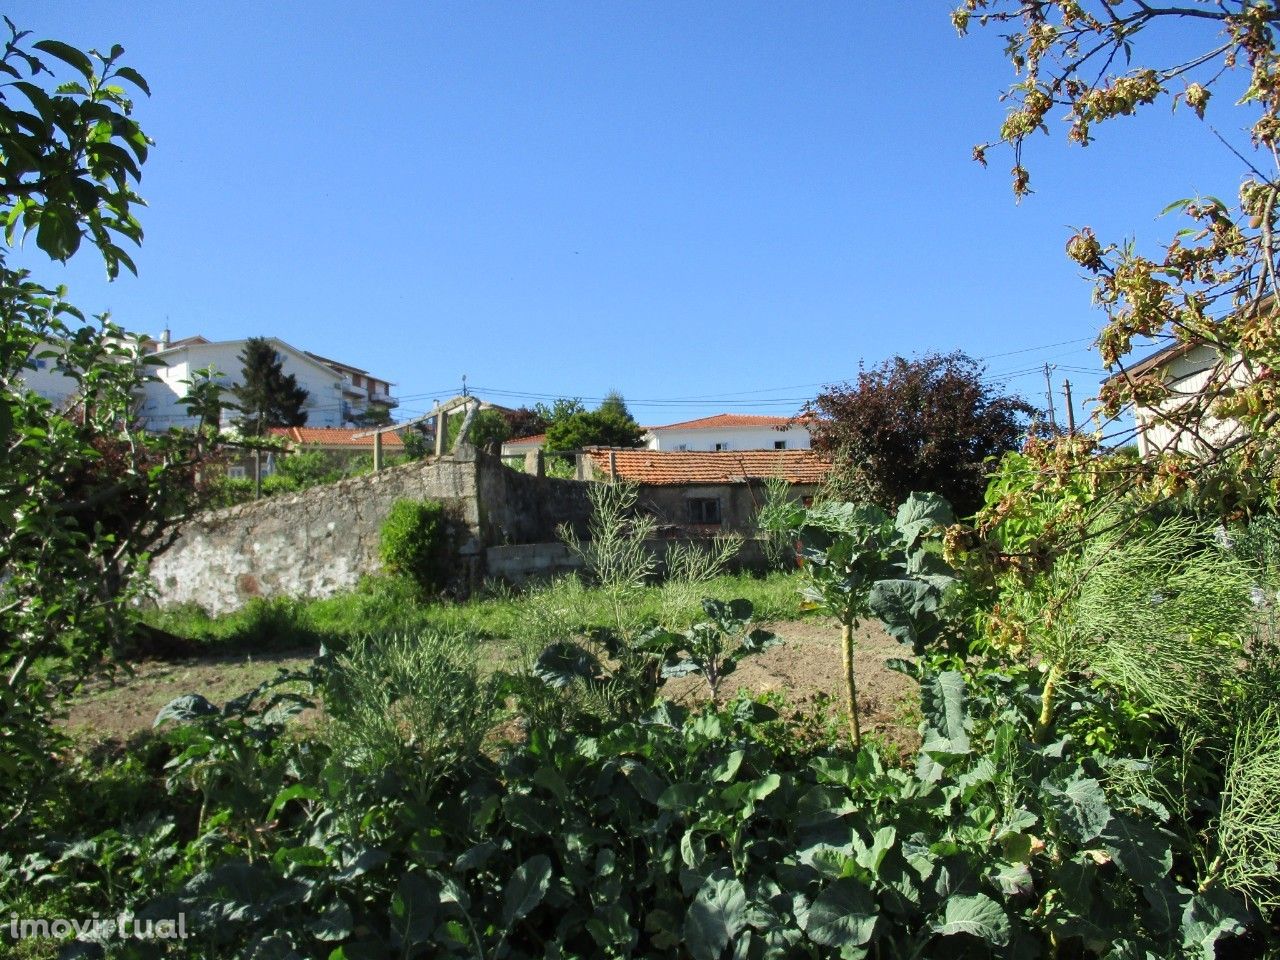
{"points": [[708, 207]]}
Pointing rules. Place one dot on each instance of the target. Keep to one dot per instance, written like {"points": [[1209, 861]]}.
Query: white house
{"points": [[1186, 369], [336, 393], [729, 431]]}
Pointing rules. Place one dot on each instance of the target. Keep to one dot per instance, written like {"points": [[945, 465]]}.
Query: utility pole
{"points": [[1048, 396], [257, 458], [464, 385], [1071, 410]]}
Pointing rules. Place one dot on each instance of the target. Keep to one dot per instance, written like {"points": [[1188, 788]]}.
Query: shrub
{"points": [[414, 541], [407, 699]]}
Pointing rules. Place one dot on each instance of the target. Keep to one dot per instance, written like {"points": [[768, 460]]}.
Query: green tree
{"points": [[266, 395], [609, 425], [94, 495], [1084, 63], [916, 425]]}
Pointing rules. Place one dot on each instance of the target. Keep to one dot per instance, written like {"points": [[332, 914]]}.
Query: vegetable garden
{"points": [[1095, 650]]}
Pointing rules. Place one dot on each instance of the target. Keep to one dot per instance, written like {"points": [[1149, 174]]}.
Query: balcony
{"points": [[384, 399]]}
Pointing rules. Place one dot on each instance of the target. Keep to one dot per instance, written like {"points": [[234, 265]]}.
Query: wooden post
{"points": [[257, 473], [1071, 412], [377, 451]]}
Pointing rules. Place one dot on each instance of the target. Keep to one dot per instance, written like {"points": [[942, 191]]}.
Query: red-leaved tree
{"points": [[925, 425]]}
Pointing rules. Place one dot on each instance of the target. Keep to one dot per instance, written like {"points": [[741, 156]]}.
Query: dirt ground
{"points": [[118, 707], [805, 670]]}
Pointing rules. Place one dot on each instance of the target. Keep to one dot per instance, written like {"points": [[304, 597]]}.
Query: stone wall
{"points": [[322, 541]]}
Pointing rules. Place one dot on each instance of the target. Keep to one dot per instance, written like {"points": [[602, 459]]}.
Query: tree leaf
{"points": [[526, 888], [717, 913], [67, 54], [844, 914]]}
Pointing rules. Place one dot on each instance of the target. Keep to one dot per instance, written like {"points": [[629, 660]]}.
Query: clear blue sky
{"points": [[730, 201]]}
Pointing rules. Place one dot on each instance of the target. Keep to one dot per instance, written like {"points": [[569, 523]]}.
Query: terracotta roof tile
{"points": [[334, 436], [721, 420], [723, 466], [538, 439]]}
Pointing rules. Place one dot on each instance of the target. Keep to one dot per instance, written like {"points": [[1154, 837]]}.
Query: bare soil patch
{"points": [[805, 670], [119, 707]]}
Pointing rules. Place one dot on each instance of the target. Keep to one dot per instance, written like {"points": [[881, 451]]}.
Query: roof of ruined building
{"points": [[703, 467]]}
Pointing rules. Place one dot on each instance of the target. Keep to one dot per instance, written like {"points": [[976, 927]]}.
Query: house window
{"points": [[237, 473], [682, 446], [704, 510], [779, 444], [724, 445]]}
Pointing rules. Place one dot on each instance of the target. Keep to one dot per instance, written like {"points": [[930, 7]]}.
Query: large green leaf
{"points": [[920, 513], [976, 915], [942, 701], [1081, 805], [1208, 918], [413, 910], [906, 607], [184, 709], [526, 888], [844, 914], [717, 914]]}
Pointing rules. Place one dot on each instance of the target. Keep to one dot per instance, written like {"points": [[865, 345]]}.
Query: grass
{"points": [[385, 605]]}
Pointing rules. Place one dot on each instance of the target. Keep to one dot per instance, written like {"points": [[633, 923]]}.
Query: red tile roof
{"points": [[334, 436], [722, 466], [721, 420], [537, 438]]}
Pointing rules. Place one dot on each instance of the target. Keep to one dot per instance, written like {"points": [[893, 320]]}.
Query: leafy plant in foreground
{"points": [[859, 563]]}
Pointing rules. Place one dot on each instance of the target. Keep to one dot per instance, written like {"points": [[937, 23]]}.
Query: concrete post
{"points": [[442, 433], [377, 451], [613, 466], [535, 464]]}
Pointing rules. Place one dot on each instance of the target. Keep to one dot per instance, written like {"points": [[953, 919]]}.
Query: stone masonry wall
{"points": [[313, 544]]}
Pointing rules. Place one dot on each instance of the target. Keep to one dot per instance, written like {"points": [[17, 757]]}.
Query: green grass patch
{"points": [[384, 605]]}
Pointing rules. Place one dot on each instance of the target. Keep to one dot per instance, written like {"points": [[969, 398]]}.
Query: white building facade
{"points": [[729, 431]]}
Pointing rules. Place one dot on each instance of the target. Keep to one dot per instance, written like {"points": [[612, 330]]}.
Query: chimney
{"points": [[164, 338]]}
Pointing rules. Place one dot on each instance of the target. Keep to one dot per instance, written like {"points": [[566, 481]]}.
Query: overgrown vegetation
{"points": [[414, 542], [1098, 775]]}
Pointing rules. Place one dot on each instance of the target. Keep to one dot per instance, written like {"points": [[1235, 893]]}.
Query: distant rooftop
{"points": [[721, 466]]}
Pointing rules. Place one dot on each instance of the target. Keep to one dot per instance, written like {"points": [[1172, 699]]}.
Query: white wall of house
{"points": [[42, 377], [1187, 374], [162, 406], [729, 438]]}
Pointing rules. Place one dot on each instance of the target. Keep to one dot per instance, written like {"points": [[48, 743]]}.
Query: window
{"points": [[682, 446], [704, 510], [779, 444], [237, 473], [724, 445]]}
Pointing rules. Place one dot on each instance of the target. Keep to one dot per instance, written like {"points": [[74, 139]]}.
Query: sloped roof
{"points": [[334, 436], [722, 420], [538, 439], [720, 466]]}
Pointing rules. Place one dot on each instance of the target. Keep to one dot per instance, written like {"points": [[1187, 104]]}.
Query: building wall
{"points": [[738, 503], [738, 438], [1187, 374], [163, 404]]}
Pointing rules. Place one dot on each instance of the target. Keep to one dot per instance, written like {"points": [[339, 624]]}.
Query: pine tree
{"points": [[266, 395]]}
